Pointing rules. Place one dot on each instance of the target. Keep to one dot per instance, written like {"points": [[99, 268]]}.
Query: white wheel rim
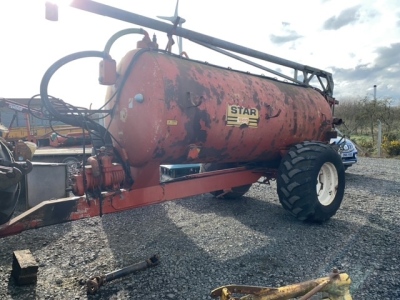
{"points": [[327, 183]]}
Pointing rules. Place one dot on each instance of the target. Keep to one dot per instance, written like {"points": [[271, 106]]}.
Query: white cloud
{"points": [[289, 29]]}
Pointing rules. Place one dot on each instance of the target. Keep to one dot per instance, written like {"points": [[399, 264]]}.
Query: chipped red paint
{"points": [[193, 98], [109, 176]]}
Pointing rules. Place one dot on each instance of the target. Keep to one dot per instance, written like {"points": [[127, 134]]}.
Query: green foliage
{"points": [[391, 136], [391, 145], [363, 117], [366, 143]]}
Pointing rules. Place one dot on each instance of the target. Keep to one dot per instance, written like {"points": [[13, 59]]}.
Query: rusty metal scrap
{"points": [[336, 285], [95, 282]]}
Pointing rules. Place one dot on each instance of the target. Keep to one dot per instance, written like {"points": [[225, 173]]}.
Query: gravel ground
{"points": [[204, 243]]}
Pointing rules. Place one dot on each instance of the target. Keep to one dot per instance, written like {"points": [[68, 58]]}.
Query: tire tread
{"points": [[296, 182]]}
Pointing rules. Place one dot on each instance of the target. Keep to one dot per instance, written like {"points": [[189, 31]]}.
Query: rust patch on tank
{"points": [[169, 92], [216, 154], [196, 97], [294, 130], [219, 95], [158, 152], [228, 135]]}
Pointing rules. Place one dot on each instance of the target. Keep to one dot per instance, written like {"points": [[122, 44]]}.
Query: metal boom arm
{"points": [[123, 15]]}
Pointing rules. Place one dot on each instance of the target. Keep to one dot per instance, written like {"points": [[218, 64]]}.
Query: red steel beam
{"points": [[52, 212]]}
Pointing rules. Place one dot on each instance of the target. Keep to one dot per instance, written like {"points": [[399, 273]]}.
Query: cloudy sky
{"points": [[358, 41]]}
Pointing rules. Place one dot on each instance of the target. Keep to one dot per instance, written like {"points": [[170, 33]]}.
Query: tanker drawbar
{"points": [[165, 108]]}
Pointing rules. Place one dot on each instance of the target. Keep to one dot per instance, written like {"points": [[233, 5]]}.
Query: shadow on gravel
{"points": [[367, 251], [264, 246], [21, 292], [47, 240], [205, 242], [292, 251], [373, 185], [147, 231], [45, 237]]}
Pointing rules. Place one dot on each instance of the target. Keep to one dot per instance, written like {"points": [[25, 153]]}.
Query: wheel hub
{"points": [[327, 183]]}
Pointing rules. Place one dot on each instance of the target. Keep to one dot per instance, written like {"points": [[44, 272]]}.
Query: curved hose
{"points": [[121, 33], [71, 119]]}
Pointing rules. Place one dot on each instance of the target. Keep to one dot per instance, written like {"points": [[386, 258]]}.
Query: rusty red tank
{"points": [[174, 110]]}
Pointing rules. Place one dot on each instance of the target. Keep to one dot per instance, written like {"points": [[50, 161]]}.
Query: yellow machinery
{"points": [[30, 131], [40, 132], [335, 287]]}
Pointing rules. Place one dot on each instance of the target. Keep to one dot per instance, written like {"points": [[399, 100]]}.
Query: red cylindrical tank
{"points": [[175, 110]]}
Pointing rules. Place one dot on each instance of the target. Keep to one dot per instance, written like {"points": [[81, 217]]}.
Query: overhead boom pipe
{"points": [[123, 15]]}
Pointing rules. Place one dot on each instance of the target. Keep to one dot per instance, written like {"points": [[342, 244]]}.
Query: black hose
{"points": [[65, 118]]}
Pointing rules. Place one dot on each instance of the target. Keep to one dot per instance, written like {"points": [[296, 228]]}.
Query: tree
{"points": [[362, 115]]}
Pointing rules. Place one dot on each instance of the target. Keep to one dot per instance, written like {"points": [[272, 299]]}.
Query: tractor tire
{"points": [[8, 194], [8, 202], [236, 192], [311, 181]]}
